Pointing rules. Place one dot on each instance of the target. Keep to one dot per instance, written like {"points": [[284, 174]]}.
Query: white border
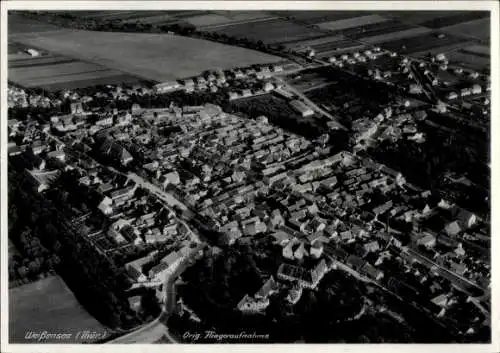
{"points": [[493, 6]]}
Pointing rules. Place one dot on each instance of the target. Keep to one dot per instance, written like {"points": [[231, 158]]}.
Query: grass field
{"points": [[157, 57], [398, 35], [270, 32], [477, 28], [352, 22], [47, 305], [478, 49], [19, 24], [469, 60], [315, 17], [422, 43]]}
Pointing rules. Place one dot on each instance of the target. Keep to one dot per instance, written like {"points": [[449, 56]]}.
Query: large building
{"points": [[301, 108]]}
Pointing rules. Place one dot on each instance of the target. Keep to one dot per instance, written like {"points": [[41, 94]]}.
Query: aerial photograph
{"points": [[248, 177]]}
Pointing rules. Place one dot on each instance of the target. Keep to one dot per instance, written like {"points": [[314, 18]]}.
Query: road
{"points": [[158, 329], [459, 281]]}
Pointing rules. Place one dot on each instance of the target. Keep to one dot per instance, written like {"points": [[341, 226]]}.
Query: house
{"points": [[105, 206], [276, 218], [135, 303], [466, 219], [281, 237], [300, 252], [372, 272], [441, 300], [453, 228], [268, 288], [171, 178], [294, 294], [58, 154], [316, 249], [371, 246], [134, 268], [288, 250], [428, 240], [458, 268], [252, 305]]}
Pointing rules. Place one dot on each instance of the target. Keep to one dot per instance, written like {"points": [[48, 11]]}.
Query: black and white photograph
{"points": [[260, 175]]}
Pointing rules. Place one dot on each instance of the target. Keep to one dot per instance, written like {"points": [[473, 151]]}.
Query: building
{"points": [[252, 305], [135, 303], [33, 52], [268, 288], [301, 108]]}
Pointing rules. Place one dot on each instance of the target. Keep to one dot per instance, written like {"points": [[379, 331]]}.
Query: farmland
{"points": [[352, 22], [477, 28], [157, 57], [54, 72], [469, 60], [422, 43], [47, 305], [269, 32]]}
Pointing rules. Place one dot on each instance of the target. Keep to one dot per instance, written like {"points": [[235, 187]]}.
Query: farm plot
{"points": [[375, 29], [207, 20], [238, 17], [315, 17], [334, 46], [396, 35], [457, 18], [28, 63], [156, 57], [312, 42], [351, 22], [417, 17], [48, 305], [270, 32], [20, 24], [469, 60], [421, 43], [477, 28], [480, 50]]}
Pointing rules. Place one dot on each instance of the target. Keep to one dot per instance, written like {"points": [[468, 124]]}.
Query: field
{"points": [[469, 60], [20, 24], [454, 19], [407, 33], [269, 32], [478, 50], [47, 305], [157, 57], [423, 43], [477, 28], [315, 17], [352, 22], [54, 72]]}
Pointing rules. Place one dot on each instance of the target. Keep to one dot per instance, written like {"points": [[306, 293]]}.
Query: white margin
{"points": [[492, 6]]}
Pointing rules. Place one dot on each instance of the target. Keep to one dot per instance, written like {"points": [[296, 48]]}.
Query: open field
{"points": [[47, 305], [417, 17], [375, 29], [157, 57], [469, 60], [351, 22], [20, 24], [422, 43], [315, 17], [483, 50], [270, 32], [477, 28], [407, 33], [450, 20]]}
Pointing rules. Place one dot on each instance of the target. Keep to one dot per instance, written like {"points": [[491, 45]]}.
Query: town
{"points": [[252, 197]]}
